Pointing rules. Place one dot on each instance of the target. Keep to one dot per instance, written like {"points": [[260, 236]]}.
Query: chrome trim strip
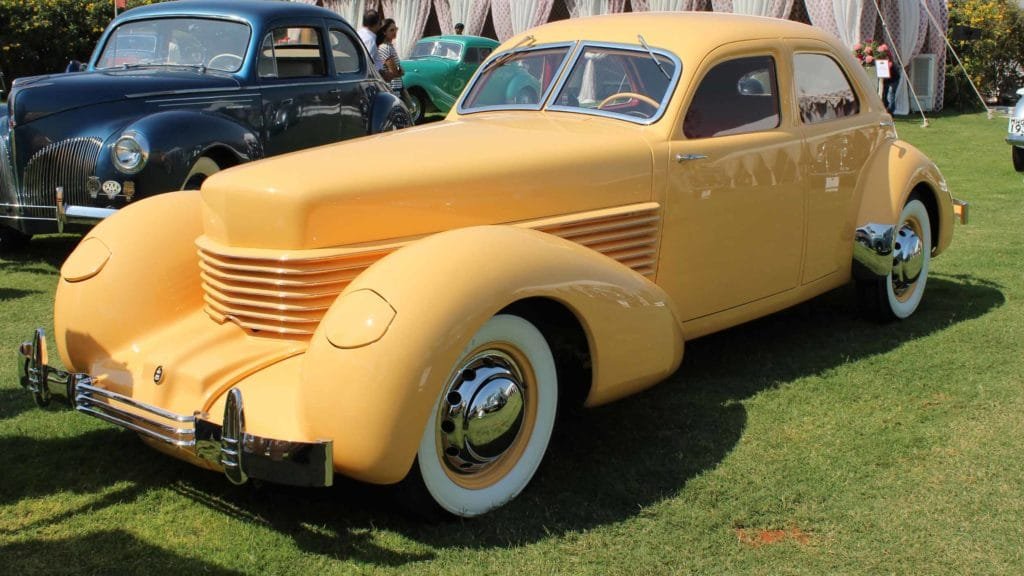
{"points": [[673, 82], [542, 98], [240, 454], [873, 250], [74, 213]]}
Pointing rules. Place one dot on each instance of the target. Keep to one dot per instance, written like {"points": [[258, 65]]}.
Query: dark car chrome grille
{"points": [[67, 163], [6, 171]]}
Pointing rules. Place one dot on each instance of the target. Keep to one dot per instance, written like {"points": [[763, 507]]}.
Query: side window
{"points": [[344, 52], [476, 55], [292, 53], [823, 92], [735, 97]]}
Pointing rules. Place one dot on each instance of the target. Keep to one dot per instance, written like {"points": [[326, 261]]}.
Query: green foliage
{"points": [[42, 36], [995, 61]]}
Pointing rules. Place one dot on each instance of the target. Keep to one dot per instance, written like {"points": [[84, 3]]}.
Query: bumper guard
{"points": [[228, 445]]}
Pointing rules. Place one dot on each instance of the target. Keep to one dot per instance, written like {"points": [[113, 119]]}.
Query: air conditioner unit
{"points": [[922, 78]]}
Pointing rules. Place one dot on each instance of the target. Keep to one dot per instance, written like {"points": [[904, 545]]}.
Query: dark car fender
{"points": [[388, 113], [177, 139]]}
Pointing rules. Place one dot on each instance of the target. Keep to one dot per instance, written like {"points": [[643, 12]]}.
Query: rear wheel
{"points": [[898, 295], [491, 425], [1018, 159], [417, 107], [397, 119], [201, 170]]}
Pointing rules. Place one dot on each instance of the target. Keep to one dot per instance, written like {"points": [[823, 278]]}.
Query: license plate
{"points": [[1017, 126]]}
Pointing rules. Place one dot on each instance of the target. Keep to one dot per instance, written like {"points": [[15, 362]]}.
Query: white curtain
{"points": [[906, 38], [351, 10], [411, 18], [848, 14], [581, 8], [665, 5]]}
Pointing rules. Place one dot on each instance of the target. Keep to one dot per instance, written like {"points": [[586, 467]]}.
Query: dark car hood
{"points": [[41, 96]]}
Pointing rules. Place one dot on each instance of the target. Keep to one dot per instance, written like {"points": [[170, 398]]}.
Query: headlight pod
{"points": [[131, 151]]}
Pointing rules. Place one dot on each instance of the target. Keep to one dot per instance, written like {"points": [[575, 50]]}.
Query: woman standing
{"points": [[392, 70]]}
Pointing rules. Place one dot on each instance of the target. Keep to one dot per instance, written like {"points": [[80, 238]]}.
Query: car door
{"points": [[734, 211], [301, 106], [841, 133], [354, 83], [472, 57]]}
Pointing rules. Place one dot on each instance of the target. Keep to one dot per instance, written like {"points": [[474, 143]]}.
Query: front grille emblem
{"points": [[92, 186], [111, 188]]}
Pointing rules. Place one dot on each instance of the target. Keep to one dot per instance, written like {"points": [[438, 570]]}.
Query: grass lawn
{"points": [[810, 442]]}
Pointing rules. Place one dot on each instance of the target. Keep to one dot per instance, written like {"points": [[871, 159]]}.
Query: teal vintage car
{"points": [[439, 68]]}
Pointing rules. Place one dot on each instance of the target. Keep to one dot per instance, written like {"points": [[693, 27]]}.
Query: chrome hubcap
{"points": [[482, 412], [908, 258]]}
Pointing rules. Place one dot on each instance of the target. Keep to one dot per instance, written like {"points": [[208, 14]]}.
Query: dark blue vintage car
{"points": [[174, 92]]}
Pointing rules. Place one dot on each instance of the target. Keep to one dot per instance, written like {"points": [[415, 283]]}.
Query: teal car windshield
{"points": [[516, 80], [214, 44], [437, 49]]}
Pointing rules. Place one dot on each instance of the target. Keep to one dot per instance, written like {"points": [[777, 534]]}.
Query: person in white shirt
{"points": [[368, 34]]}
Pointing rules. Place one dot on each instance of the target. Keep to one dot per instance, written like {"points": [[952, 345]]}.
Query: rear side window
{"points": [[823, 92], [735, 97], [344, 52], [292, 53]]}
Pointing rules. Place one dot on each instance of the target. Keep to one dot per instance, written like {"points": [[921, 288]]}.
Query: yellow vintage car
{"points": [[391, 310]]}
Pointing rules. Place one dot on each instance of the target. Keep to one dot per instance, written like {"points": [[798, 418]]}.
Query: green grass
{"points": [[865, 448]]}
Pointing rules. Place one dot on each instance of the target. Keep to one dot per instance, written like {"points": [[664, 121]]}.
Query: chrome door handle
{"points": [[684, 157]]}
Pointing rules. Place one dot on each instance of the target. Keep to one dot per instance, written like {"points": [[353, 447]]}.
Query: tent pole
{"points": [[988, 111], [899, 59]]}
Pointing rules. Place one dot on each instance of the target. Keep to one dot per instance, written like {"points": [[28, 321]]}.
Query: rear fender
{"points": [[384, 103], [899, 171], [374, 399]]}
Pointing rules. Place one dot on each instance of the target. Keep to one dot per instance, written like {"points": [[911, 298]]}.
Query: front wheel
{"points": [[1018, 159], [201, 170], [417, 107], [491, 425], [898, 295], [11, 239], [396, 120]]}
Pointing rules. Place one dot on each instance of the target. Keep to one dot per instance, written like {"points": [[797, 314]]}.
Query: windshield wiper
{"points": [[529, 40], [653, 57]]}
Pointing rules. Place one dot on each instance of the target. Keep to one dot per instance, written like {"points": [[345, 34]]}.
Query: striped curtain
{"points": [[472, 13], [514, 16], [668, 5]]}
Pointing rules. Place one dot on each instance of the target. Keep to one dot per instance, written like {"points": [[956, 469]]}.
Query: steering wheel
{"points": [[640, 97], [228, 56]]}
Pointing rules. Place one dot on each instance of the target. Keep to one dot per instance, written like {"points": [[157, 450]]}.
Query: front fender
{"points": [[177, 138], [374, 399], [383, 104], [134, 272], [441, 100], [896, 171]]}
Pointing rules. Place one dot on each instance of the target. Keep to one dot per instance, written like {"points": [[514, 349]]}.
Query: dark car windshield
{"points": [[438, 49], [214, 44]]}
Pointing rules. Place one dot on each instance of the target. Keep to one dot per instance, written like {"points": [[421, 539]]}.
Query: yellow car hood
{"points": [[482, 169]]}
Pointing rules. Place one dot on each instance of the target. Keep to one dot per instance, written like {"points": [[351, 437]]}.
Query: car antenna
{"points": [[643, 42]]}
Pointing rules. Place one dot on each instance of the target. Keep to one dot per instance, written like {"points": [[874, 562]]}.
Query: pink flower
{"points": [[857, 47], [867, 49], [883, 48], [869, 59]]}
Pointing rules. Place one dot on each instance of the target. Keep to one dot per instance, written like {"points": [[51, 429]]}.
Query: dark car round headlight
{"points": [[130, 152]]}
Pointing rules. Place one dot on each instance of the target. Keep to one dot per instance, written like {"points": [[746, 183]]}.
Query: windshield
{"points": [[214, 44], [437, 48], [516, 79], [632, 83]]}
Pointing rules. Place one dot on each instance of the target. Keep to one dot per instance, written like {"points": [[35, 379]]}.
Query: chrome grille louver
{"points": [[67, 163], [289, 293]]}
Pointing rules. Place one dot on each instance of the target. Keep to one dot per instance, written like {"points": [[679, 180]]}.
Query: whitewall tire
{"points": [[492, 422]]}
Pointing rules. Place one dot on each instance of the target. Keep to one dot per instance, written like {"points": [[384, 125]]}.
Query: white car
{"points": [[1016, 133]]}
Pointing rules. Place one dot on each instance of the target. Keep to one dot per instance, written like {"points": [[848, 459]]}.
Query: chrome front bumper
{"points": [[227, 445], [873, 245]]}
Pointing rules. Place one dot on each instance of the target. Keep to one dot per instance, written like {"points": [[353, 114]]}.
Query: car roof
{"points": [[250, 10], [463, 39], [680, 32]]}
